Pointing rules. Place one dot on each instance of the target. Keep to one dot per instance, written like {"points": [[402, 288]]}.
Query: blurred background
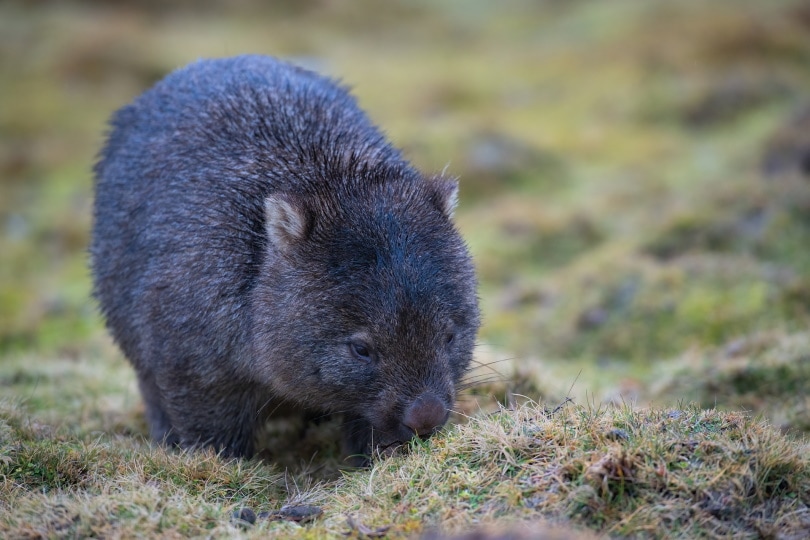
{"points": [[635, 181]]}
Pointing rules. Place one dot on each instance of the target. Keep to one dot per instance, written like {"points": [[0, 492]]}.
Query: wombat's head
{"points": [[366, 303]]}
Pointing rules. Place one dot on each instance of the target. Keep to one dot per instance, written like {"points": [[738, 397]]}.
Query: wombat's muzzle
{"points": [[425, 415]]}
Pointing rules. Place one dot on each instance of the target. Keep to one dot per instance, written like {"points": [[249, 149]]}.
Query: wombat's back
{"points": [[180, 186]]}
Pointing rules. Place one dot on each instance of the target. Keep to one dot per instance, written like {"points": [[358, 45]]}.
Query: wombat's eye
{"points": [[361, 351], [449, 338]]}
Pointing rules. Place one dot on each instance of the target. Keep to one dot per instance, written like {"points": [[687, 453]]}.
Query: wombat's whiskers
{"points": [[481, 379]]}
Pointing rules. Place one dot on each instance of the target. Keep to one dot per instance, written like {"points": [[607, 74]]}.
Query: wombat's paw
{"points": [[395, 449], [357, 461], [364, 459]]}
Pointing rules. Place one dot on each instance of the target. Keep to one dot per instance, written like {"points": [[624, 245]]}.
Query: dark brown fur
{"points": [[257, 241]]}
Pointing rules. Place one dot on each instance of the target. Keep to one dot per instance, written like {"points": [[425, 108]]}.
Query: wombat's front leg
{"points": [[160, 427], [356, 443], [222, 418]]}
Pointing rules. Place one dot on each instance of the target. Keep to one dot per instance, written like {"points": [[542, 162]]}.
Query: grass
{"points": [[55, 484], [634, 183], [615, 470]]}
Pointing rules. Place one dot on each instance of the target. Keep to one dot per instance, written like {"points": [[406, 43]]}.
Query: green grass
{"points": [[632, 245], [656, 473]]}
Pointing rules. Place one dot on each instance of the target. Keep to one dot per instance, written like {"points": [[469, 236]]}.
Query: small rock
{"points": [[244, 517], [617, 434], [300, 513]]}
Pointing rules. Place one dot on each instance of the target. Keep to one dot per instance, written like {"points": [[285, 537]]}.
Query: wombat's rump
{"points": [[257, 242]]}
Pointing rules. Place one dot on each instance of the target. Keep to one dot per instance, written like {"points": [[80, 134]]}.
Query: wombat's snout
{"points": [[427, 413]]}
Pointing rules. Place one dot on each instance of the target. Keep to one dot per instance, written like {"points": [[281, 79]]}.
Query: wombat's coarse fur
{"points": [[258, 243]]}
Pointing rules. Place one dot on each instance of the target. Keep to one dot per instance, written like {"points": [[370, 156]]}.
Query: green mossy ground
{"points": [[636, 191]]}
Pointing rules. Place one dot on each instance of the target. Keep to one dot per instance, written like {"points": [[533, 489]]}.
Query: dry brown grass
{"points": [[676, 473]]}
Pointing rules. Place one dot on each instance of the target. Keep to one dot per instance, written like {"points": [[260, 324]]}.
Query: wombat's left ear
{"points": [[446, 194], [286, 221]]}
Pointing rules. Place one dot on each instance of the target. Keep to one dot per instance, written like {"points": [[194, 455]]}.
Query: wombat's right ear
{"points": [[446, 194], [287, 222]]}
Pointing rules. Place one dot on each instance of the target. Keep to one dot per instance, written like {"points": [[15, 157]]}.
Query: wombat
{"points": [[257, 243]]}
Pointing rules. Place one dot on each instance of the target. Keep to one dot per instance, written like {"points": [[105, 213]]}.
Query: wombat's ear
{"points": [[446, 194], [287, 222]]}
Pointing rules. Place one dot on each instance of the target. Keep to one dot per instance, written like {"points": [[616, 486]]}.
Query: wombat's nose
{"points": [[425, 414]]}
